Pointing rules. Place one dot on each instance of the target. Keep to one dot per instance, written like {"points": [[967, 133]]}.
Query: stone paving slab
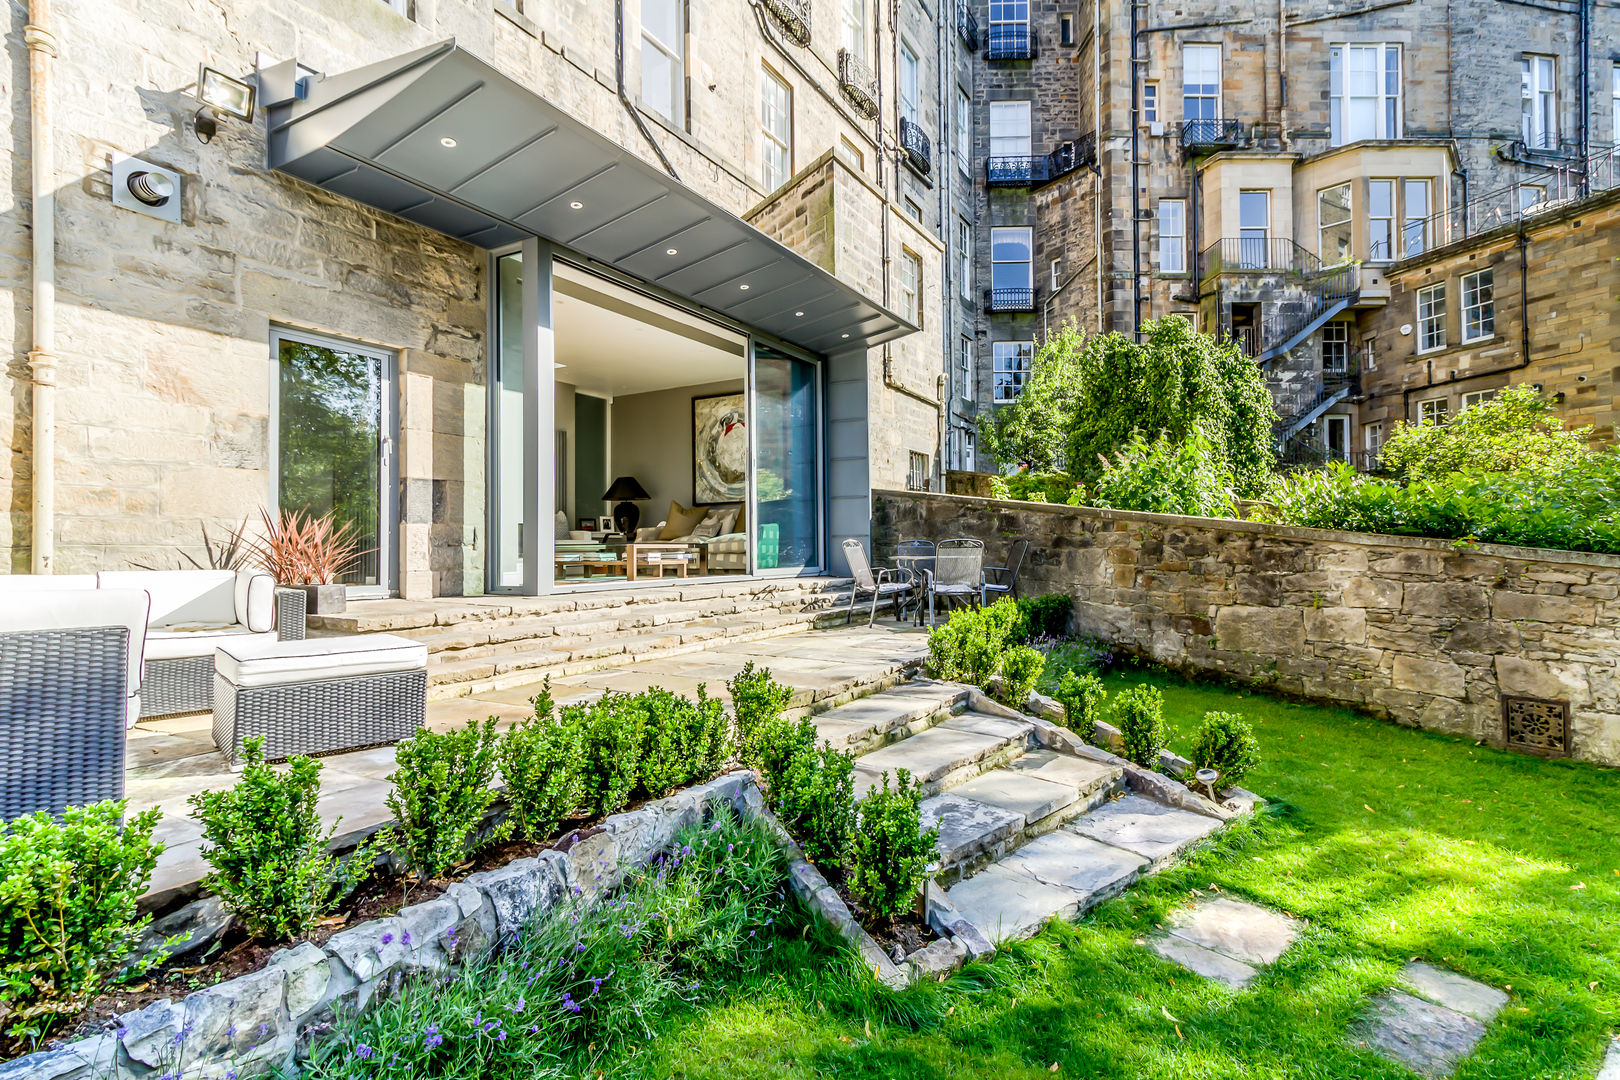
{"points": [[1610, 1069], [1148, 828], [1021, 793], [1004, 904], [1201, 961], [1246, 932], [1078, 863], [980, 724], [1429, 1039], [1456, 992], [930, 754], [1077, 773], [966, 827]]}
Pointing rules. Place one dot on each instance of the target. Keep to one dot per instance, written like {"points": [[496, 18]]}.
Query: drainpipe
{"points": [[1583, 38], [624, 95], [1136, 173], [42, 357], [1097, 152], [1282, 72]]}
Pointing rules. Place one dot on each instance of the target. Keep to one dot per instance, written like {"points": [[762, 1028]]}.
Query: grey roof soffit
{"points": [[440, 138]]}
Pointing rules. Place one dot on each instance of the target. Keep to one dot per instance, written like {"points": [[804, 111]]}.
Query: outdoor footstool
{"points": [[319, 695]]}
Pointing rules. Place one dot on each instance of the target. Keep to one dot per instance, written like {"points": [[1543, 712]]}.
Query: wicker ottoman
{"points": [[320, 695]]}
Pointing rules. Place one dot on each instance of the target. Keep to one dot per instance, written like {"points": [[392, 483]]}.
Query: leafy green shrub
{"points": [[1167, 477], [782, 743], [1225, 742], [1044, 616], [969, 646], [1042, 487], [891, 852], [68, 894], [1516, 431], [1139, 715], [1020, 671], [540, 762], [681, 740], [611, 766], [1082, 698], [820, 804], [756, 699], [442, 790], [263, 838]]}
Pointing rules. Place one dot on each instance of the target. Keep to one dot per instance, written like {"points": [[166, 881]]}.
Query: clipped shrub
{"points": [[969, 646], [263, 838], [756, 699], [1082, 697], [781, 744], [891, 852], [822, 785], [1139, 715], [1044, 616], [540, 762], [1020, 671], [681, 740], [1225, 742], [611, 766], [442, 790], [68, 895]]}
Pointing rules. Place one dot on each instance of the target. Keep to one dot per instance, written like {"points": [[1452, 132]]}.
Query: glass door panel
{"points": [[787, 465], [334, 445], [507, 532]]}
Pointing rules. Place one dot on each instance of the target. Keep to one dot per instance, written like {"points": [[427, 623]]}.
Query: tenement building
{"points": [[507, 286], [1278, 174]]}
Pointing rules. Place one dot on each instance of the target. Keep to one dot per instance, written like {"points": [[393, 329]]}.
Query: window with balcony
{"points": [[1200, 82], [1009, 129], [964, 251], [663, 58], [964, 131], [1364, 92], [1336, 436], [1336, 347], [854, 28], [1478, 306], [1415, 211], [908, 84], [1012, 271], [911, 286], [1008, 35], [1150, 102], [1614, 100], [1433, 410], [1012, 360], [1538, 94], [1254, 229], [1333, 225], [1172, 236], [1531, 196], [1380, 220], [1431, 318], [775, 129]]}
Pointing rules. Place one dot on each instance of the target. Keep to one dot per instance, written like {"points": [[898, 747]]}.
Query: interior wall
{"points": [[651, 436], [565, 428]]}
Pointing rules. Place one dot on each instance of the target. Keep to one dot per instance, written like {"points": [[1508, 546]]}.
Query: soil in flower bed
{"points": [[235, 954], [908, 931]]}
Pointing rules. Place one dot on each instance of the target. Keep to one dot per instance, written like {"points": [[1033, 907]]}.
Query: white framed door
{"points": [[332, 438]]}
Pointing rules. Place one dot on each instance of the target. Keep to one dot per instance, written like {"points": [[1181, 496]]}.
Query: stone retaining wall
{"points": [[1429, 633]]}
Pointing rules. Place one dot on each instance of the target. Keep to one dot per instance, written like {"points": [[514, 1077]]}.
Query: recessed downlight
{"points": [[846, 335], [671, 251], [576, 206], [448, 143], [743, 287], [798, 314]]}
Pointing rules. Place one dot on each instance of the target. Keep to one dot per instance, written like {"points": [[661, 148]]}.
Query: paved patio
{"points": [[173, 758]]}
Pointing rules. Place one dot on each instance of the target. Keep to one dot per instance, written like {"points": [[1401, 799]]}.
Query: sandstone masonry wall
{"points": [[1424, 632]]}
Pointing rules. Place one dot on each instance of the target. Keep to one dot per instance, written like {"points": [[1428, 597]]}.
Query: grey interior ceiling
{"points": [[440, 138]]}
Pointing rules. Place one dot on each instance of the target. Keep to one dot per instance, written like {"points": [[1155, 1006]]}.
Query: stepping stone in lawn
{"points": [[1611, 1062], [1456, 992], [1225, 939], [1429, 1039]]}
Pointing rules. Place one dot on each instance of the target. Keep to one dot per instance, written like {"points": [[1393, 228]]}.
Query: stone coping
{"points": [[1295, 532]]}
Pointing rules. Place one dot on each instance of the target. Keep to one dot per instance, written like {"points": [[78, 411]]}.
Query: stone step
{"points": [[1157, 832], [948, 754], [866, 724]]}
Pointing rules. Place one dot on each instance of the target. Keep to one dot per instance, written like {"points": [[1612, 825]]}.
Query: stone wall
{"points": [[1424, 632]]}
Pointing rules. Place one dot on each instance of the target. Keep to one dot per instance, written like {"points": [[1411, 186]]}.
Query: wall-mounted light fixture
{"points": [[145, 188], [223, 94]]}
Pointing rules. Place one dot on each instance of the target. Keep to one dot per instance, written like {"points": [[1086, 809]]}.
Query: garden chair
{"points": [[1003, 580], [916, 556], [958, 573], [876, 584]]}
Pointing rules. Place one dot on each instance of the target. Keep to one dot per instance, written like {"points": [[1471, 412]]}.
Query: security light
{"points": [[225, 94]]}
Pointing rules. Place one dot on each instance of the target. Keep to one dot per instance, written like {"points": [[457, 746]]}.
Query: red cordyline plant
{"points": [[306, 549]]}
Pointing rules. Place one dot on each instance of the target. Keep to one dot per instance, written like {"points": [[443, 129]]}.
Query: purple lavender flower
{"points": [[431, 1039], [387, 938], [569, 1003], [405, 938], [501, 1037], [362, 1051]]}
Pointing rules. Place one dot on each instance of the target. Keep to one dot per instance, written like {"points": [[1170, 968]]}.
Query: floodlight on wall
{"points": [[222, 94], [145, 188]]}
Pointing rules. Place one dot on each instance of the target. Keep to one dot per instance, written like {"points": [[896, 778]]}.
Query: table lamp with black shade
{"points": [[627, 515]]}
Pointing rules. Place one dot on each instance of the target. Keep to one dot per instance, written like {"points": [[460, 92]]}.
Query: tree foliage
{"points": [[1166, 477], [1515, 431], [1032, 430]]}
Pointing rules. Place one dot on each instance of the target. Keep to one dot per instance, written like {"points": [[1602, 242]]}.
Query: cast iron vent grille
{"points": [[1536, 725]]}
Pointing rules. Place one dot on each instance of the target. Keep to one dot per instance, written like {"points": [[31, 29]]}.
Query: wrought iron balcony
{"points": [[1211, 134], [919, 154], [858, 82], [793, 16], [1041, 169], [1010, 41], [967, 25], [1009, 300]]}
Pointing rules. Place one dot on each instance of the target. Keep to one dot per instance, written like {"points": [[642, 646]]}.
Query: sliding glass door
{"points": [[787, 462], [508, 539], [334, 444]]}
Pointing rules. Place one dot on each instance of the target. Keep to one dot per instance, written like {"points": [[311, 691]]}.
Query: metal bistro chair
{"points": [[958, 573], [875, 584], [1003, 580], [916, 556]]}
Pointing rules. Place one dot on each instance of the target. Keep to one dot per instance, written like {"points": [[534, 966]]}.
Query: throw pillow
{"points": [[562, 525], [649, 534], [681, 521], [715, 523]]}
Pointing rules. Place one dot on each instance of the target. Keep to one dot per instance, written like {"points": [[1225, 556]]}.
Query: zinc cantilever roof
{"points": [[441, 138]]}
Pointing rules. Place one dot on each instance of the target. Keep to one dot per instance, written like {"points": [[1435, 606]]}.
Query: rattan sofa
{"points": [[70, 686]]}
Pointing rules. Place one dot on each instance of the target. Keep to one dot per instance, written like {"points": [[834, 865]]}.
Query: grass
{"points": [[1390, 843]]}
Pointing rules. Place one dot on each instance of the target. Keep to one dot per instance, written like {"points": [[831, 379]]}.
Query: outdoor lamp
{"points": [[223, 94], [626, 491]]}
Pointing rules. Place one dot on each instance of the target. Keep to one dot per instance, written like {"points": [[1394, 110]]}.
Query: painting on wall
{"points": [[719, 449]]}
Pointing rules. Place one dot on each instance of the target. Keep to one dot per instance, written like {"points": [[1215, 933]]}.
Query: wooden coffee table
{"points": [[633, 560]]}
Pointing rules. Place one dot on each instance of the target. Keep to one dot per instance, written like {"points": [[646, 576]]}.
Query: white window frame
{"points": [[1028, 262], [964, 385], [1336, 347], [1476, 397], [1066, 28], [1341, 421], [852, 153], [1477, 291], [910, 67], [1381, 248], [1531, 196], [1346, 225], [855, 28], [1172, 215], [1010, 129], [1009, 12], [1150, 101], [1364, 91], [911, 287], [964, 131], [1254, 241], [1435, 410], [1372, 436], [964, 255], [1415, 226], [674, 53], [775, 140], [1013, 359], [1200, 91], [913, 208], [1614, 100], [1431, 317], [1538, 93]]}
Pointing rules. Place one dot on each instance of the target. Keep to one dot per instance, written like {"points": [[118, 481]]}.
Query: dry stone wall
{"points": [[1424, 632]]}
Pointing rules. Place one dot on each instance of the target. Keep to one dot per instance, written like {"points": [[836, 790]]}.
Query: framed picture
{"points": [[588, 524], [605, 523], [719, 449]]}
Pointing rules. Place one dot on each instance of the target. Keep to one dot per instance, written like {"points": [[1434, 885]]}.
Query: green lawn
{"points": [[1392, 844]]}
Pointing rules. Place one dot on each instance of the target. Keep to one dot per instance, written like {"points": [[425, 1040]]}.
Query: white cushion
{"points": [[196, 639], [10, 583], [729, 543], [57, 609], [277, 663], [255, 597], [180, 596]]}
